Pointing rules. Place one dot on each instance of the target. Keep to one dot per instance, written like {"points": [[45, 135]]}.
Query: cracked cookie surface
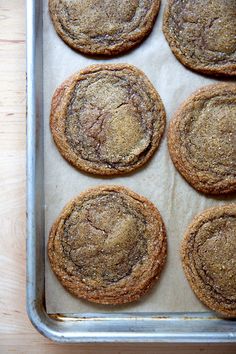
{"points": [[108, 245], [107, 119], [202, 136], [202, 34], [209, 258], [103, 27]]}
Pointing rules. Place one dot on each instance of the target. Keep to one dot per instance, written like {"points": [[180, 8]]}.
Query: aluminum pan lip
{"points": [[49, 328], [115, 328]]}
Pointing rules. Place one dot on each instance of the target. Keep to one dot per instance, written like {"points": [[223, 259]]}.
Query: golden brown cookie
{"points": [[103, 26], [202, 34], [108, 245], [107, 119], [209, 258], [202, 139]]}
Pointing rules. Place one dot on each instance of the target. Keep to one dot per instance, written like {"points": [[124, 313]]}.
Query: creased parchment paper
{"points": [[177, 202]]}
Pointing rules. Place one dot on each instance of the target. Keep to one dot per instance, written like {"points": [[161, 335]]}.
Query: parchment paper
{"points": [[177, 202]]}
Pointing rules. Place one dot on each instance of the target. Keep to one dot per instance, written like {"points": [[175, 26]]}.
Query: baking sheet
{"points": [[158, 180]]}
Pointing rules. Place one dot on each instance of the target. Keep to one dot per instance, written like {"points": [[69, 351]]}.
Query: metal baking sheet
{"points": [[170, 313]]}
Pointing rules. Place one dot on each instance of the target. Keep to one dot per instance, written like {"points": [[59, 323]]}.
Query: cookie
{"points": [[107, 119], [209, 258], [103, 27], [202, 136], [202, 34], [108, 245]]}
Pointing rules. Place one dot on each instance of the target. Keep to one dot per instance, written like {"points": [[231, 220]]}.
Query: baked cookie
{"points": [[202, 139], [107, 119], [108, 245], [202, 34], [209, 258], [103, 27]]}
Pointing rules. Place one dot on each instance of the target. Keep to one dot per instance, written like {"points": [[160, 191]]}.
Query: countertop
{"points": [[16, 332]]}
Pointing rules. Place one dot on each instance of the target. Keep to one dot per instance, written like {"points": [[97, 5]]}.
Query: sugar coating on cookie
{"points": [[108, 245], [202, 34], [107, 119], [202, 139], [103, 27], [209, 258]]}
